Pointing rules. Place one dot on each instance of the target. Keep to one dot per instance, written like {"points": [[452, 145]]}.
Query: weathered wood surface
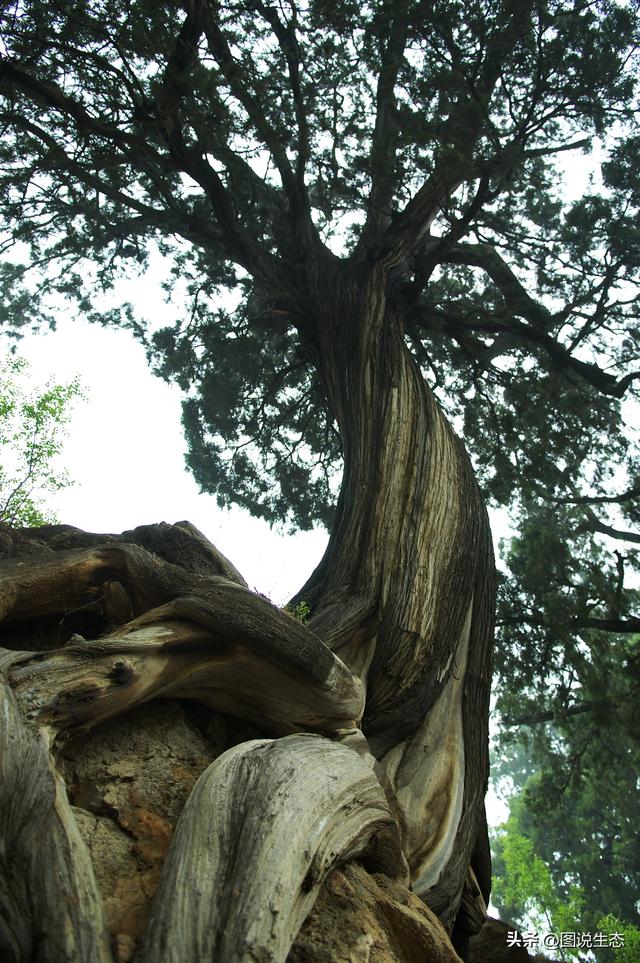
{"points": [[263, 827], [405, 592], [50, 907], [216, 642]]}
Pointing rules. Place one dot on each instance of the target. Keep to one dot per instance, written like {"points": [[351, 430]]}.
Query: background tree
{"points": [[630, 948], [523, 884], [32, 431], [380, 186], [569, 744], [538, 876]]}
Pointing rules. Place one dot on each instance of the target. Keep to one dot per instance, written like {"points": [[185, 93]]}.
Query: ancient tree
{"points": [[376, 187]]}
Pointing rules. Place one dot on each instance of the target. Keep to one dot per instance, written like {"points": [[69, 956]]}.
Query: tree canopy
{"points": [[235, 136], [442, 144]]}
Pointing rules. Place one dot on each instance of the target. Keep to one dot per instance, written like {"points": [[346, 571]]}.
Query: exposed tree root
{"points": [[268, 820]]}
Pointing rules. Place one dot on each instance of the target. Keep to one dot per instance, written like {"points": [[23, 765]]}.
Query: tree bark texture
{"points": [[405, 592], [365, 730]]}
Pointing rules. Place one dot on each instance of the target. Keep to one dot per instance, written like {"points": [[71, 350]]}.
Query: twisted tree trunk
{"points": [[405, 592], [378, 705]]}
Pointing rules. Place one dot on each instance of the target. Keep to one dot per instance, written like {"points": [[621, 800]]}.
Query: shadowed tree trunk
{"points": [[378, 705]]}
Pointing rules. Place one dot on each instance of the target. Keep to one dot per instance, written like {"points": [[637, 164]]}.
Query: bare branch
{"points": [[553, 715], [629, 495], [626, 626]]}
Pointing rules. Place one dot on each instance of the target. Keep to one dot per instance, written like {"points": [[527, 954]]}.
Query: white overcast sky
{"points": [[125, 451]]}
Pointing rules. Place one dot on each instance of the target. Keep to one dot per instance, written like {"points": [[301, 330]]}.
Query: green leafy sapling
{"points": [[33, 423]]}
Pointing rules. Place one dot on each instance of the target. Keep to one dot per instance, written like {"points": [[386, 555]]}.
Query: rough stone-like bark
{"points": [[364, 918], [388, 682]]}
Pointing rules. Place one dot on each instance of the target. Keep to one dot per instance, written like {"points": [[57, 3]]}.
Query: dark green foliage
{"points": [[236, 140], [258, 431], [579, 818], [159, 104]]}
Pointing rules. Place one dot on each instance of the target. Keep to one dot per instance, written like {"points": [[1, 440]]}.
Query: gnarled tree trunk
{"points": [[378, 705], [405, 592]]}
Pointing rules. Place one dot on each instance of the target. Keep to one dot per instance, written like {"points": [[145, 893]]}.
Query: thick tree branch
{"points": [[194, 162], [583, 144], [598, 526], [246, 252], [538, 319], [618, 625], [241, 248], [170, 220], [553, 715], [303, 229], [52, 96], [431, 253], [623, 626], [627, 496], [519, 334], [226, 844], [408, 230], [383, 143], [182, 57], [288, 41], [486, 257], [50, 905], [464, 126], [233, 75]]}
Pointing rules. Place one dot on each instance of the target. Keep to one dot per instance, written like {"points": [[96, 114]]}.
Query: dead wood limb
{"points": [[50, 908], [263, 827]]}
